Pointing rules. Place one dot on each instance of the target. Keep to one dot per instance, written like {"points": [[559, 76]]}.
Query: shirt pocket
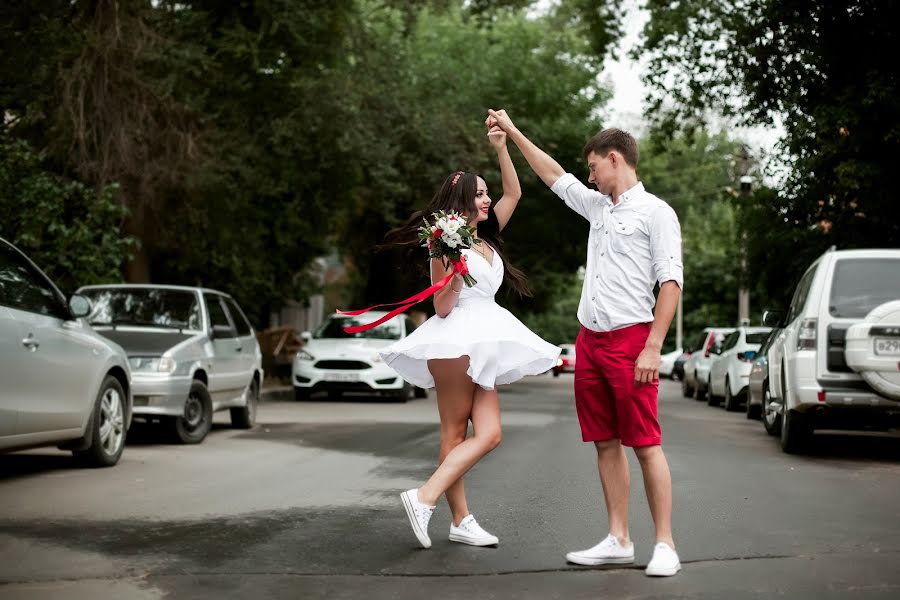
{"points": [[623, 238]]}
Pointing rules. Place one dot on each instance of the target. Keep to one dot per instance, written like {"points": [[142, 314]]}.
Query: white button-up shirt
{"points": [[631, 246]]}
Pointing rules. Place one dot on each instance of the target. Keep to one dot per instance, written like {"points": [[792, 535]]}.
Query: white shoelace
{"points": [[472, 527]]}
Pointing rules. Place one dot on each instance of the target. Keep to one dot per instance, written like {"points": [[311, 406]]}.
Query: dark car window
{"points": [[861, 284], [731, 341], [700, 342], [237, 315], [217, 316], [757, 338], [24, 288], [144, 306], [800, 295]]}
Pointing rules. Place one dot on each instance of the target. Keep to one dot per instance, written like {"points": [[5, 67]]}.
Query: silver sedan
{"points": [[192, 351], [61, 384]]}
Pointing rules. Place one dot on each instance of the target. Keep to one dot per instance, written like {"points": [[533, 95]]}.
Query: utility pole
{"points": [[679, 323], [744, 160]]}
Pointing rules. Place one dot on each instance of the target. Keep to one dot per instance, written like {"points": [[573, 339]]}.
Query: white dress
{"points": [[500, 348]]}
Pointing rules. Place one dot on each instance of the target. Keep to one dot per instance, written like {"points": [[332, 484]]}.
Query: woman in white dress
{"points": [[468, 347]]}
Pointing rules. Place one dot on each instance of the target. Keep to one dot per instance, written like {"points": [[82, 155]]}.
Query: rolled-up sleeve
{"points": [[576, 195], [665, 246]]}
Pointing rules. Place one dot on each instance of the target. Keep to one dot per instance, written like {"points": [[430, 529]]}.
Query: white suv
{"points": [[841, 331]]}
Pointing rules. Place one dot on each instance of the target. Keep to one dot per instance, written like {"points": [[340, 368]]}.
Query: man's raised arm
{"points": [[541, 163]]}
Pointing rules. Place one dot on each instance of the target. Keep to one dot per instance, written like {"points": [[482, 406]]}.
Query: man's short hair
{"points": [[613, 139]]}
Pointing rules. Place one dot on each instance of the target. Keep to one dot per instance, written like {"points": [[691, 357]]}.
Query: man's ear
{"points": [[614, 158]]}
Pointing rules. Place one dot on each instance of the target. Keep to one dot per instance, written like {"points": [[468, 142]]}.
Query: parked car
{"points": [[338, 362], [566, 361], [759, 376], [667, 363], [841, 334], [729, 373], [678, 365], [696, 368], [61, 384], [192, 352]]}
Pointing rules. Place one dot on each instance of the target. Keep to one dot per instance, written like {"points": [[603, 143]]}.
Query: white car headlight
{"points": [[304, 355]]}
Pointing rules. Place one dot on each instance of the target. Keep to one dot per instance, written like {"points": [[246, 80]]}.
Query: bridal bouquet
{"points": [[447, 237]]}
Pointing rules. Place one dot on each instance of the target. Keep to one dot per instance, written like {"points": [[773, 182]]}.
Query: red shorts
{"points": [[610, 404]]}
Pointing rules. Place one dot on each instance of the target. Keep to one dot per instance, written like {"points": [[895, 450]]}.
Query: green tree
{"points": [[66, 228], [786, 62], [451, 70]]}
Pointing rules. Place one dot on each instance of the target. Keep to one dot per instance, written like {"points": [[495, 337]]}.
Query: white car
{"points": [[696, 368], [836, 364], [337, 362], [61, 384], [667, 362], [729, 373]]}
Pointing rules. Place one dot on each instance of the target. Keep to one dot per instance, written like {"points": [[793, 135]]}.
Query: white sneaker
{"points": [[470, 532], [607, 552], [419, 514], [664, 563]]}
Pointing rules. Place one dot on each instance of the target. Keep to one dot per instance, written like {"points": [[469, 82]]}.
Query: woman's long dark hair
{"points": [[458, 197]]}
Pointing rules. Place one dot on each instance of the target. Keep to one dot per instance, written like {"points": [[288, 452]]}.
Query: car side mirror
{"points": [[221, 331], [773, 318], [306, 336], [79, 306]]}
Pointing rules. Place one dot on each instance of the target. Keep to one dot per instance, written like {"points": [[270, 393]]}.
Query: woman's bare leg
{"points": [[484, 410]]}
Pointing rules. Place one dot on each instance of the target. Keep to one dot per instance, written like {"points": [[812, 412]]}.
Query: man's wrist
{"points": [[654, 345]]}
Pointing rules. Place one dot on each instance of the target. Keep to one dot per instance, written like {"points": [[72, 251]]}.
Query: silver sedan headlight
{"points": [[141, 364]]}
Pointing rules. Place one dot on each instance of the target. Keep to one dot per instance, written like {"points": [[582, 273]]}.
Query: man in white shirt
{"points": [[634, 242]]}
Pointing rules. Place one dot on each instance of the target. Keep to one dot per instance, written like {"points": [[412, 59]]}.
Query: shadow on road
{"points": [[13, 466], [862, 446]]}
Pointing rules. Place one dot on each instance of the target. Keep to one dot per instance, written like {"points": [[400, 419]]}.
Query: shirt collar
{"points": [[632, 192]]}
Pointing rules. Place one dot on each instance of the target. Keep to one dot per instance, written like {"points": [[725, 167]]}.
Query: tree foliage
{"points": [[66, 228], [819, 69]]}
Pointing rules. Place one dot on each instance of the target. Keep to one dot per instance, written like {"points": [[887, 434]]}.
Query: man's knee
{"points": [[607, 446], [647, 453]]}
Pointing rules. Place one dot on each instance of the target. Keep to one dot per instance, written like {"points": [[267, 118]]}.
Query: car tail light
{"points": [[709, 346], [821, 396], [806, 338]]}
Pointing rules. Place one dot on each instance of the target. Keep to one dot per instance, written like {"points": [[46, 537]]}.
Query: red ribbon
{"points": [[459, 267]]}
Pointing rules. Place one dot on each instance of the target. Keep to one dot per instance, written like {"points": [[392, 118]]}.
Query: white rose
{"points": [[451, 239], [453, 226]]}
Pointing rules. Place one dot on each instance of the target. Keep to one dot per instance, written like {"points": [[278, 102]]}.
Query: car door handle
{"points": [[238, 348], [31, 342]]}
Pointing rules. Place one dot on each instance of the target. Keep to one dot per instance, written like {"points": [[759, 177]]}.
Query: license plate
{"points": [[341, 377], [887, 347]]}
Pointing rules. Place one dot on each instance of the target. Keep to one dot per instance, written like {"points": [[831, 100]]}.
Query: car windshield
{"points": [[333, 328], [171, 309], [861, 284]]}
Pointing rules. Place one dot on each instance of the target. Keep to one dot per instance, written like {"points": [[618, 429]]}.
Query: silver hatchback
{"points": [[192, 352], [61, 384]]}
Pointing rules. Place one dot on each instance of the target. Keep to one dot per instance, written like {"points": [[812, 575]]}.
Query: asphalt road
{"points": [[306, 506]]}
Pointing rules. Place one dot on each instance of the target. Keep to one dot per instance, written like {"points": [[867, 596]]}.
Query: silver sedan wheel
{"points": [[112, 422]]}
